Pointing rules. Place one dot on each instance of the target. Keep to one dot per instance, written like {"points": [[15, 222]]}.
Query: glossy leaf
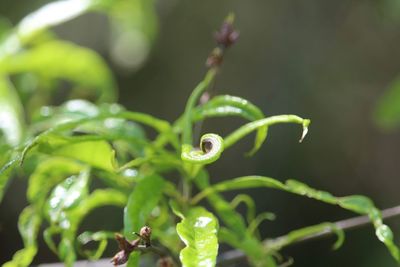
{"points": [[28, 225], [300, 234], [69, 219], [48, 174], [5, 175], [267, 122], [67, 195], [95, 153], [11, 113], [232, 105], [141, 202], [51, 134], [198, 230], [226, 105], [79, 65], [356, 203], [236, 232], [211, 145]]}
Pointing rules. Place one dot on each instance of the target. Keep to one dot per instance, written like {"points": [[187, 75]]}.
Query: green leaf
{"points": [[355, 203], [141, 202], [98, 154], [251, 206], [224, 105], [101, 237], [79, 65], [236, 234], [67, 223], [48, 174], [198, 230], [54, 134], [6, 174], [28, 225], [246, 129], [67, 195], [211, 145], [11, 113], [299, 234], [227, 105], [387, 111]]}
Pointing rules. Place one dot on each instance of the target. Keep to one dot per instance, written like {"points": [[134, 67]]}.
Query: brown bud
{"points": [[227, 35], [145, 234], [120, 258]]}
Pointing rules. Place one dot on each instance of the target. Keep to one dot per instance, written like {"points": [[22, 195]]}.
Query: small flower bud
{"points": [[145, 234], [227, 35], [120, 258]]}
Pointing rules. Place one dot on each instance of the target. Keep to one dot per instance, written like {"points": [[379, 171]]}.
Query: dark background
{"points": [[325, 60]]}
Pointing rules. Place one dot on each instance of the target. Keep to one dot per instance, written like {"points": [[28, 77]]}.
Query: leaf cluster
{"points": [[64, 148]]}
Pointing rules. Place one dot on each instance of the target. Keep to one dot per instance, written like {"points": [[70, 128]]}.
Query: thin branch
{"points": [[232, 256]]}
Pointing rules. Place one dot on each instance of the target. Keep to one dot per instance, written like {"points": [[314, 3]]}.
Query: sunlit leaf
{"points": [[79, 65], [5, 175], [300, 234], [11, 113], [51, 134], [28, 225], [226, 105], [356, 203], [67, 195], [96, 153], [236, 231], [48, 174], [266, 122], [198, 230]]}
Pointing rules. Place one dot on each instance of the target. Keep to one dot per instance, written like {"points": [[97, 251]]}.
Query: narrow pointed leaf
{"points": [[6, 175], [11, 113], [355, 203], [266, 122]]}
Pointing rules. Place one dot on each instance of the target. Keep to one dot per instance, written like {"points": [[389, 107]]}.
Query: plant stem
{"points": [[236, 255], [192, 101]]}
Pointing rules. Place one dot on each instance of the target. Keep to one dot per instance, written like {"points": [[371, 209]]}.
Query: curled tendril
{"points": [[211, 147]]}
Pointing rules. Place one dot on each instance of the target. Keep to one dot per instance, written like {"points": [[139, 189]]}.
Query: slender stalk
{"points": [[229, 257], [192, 101]]}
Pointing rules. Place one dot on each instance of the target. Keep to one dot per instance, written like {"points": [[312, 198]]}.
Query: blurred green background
{"points": [[329, 61]]}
